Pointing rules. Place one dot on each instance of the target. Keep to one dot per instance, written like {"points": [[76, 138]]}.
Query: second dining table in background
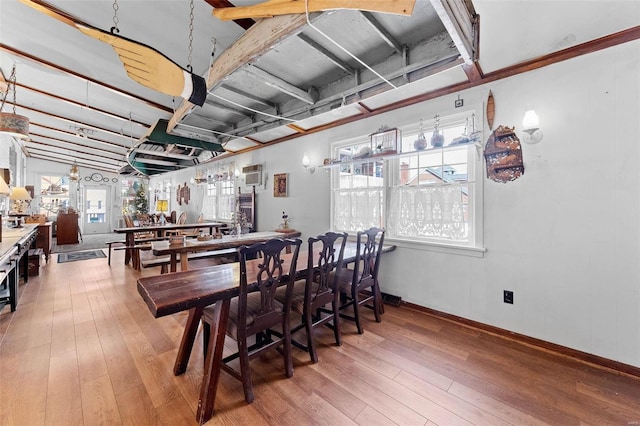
{"points": [[160, 230], [163, 248]]}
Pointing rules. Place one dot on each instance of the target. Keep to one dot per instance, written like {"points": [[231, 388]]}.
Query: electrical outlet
{"points": [[508, 296]]}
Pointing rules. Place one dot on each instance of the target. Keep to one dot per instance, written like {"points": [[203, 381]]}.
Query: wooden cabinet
{"points": [[67, 228], [43, 240]]}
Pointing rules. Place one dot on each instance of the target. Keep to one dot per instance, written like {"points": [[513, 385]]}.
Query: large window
{"points": [[219, 200], [426, 195]]}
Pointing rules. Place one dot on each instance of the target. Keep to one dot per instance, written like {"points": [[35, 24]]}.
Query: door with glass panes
{"points": [[96, 207]]}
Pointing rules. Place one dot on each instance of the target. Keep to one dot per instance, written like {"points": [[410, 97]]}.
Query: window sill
{"points": [[437, 247]]}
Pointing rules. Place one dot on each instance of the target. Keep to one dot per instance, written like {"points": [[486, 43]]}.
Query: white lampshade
{"points": [[305, 160], [530, 120], [4, 188], [20, 193]]}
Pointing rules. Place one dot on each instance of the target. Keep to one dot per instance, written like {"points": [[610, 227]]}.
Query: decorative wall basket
{"points": [[503, 155]]}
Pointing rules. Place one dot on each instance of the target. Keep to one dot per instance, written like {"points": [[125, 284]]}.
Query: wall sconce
{"points": [[305, 164], [532, 133]]}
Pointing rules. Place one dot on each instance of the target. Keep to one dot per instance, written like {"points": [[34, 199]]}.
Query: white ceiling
{"points": [[70, 84]]}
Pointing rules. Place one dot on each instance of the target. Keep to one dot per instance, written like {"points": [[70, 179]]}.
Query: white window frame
{"points": [[391, 172], [220, 193]]}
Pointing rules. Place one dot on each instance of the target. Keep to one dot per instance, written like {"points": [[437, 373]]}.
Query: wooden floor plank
{"points": [[83, 349]]}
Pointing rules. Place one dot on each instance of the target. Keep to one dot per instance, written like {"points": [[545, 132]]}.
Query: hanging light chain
{"points": [[189, 67], [115, 28], [11, 85]]}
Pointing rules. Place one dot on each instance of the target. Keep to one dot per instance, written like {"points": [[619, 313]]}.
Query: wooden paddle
{"points": [[142, 63], [272, 8]]}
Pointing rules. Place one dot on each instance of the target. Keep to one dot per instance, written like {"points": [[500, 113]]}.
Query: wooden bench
{"points": [[164, 261], [135, 253], [109, 244]]}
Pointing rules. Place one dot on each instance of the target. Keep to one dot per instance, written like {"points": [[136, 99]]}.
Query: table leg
{"points": [[188, 337], [173, 261], [213, 361], [130, 242], [184, 261]]}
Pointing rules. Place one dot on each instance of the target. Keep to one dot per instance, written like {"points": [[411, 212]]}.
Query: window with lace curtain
{"points": [[431, 195], [219, 201]]}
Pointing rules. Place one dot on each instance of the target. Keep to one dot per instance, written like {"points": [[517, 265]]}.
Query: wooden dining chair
{"points": [[358, 286], [182, 219], [312, 295], [256, 311]]}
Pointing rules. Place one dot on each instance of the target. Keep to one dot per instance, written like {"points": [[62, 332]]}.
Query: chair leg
{"points": [[245, 372], [336, 322], [308, 325], [356, 311], [109, 260], [377, 301], [288, 360]]}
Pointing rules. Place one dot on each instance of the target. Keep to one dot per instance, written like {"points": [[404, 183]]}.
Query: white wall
{"points": [[564, 237]]}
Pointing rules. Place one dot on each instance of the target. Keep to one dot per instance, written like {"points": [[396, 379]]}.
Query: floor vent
{"points": [[392, 300]]}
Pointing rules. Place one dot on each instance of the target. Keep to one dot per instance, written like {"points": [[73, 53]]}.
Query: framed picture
{"points": [[280, 185]]}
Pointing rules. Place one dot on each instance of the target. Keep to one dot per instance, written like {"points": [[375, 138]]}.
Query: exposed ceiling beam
{"points": [[245, 23], [227, 108], [88, 138], [254, 43], [39, 142], [211, 119], [67, 161], [462, 23], [63, 70], [279, 84], [86, 161], [247, 95], [84, 105], [80, 123], [382, 32], [326, 53]]}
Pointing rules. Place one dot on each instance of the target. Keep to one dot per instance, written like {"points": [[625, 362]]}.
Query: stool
{"points": [[110, 243], [34, 261]]}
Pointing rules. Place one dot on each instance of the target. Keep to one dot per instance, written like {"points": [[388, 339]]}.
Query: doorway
{"points": [[96, 209]]}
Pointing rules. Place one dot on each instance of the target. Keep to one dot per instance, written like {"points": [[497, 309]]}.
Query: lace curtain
{"points": [[355, 210], [428, 211]]}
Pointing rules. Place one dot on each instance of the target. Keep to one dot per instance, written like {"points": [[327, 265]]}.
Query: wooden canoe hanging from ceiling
{"points": [[503, 155], [271, 8]]}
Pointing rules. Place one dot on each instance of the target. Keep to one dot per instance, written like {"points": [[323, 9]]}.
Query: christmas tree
{"points": [[141, 203]]}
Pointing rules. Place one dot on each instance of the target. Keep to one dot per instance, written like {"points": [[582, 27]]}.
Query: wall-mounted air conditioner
{"points": [[252, 174]]}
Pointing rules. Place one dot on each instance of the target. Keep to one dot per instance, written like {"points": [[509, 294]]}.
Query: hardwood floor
{"points": [[83, 349]]}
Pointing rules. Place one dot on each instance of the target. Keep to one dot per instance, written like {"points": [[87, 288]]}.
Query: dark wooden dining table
{"points": [[160, 232], [163, 248], [193, 291]]}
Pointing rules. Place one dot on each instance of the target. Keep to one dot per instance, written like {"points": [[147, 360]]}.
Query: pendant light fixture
{"points": [[12, 124], [74, 173]]}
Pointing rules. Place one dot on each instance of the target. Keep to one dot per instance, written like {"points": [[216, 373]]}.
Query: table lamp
{"points": [[4, 191], [162, 206], [21, 200]]}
